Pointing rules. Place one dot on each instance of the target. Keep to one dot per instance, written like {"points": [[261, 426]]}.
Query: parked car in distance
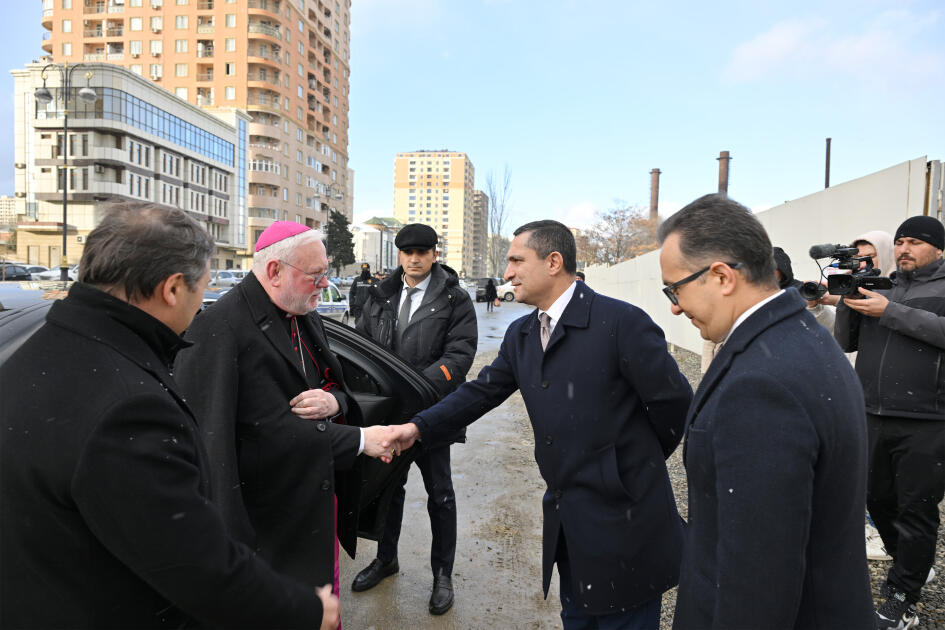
{"points": [[505, 292], [35, 270], [55, 273], [226, 277], [481, 288], [333, 304], [14, 272]]}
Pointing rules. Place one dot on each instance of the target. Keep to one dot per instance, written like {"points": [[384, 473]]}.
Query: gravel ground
{"points": [[932, 606]]}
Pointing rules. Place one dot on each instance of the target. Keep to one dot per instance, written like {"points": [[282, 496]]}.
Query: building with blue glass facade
{"points": [[135, 141]]}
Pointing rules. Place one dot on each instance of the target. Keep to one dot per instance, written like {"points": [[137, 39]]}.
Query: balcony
{"points": [[205, 76], [205, 52], [272, 6], [204, 28], [205, 5], [93, 8], [93, 57], [265, 29]]}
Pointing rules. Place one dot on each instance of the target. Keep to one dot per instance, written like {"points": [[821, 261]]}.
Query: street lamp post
{"points": [[43, 95]]}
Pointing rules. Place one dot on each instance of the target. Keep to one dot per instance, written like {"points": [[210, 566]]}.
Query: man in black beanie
{"points": [[900, 336]]}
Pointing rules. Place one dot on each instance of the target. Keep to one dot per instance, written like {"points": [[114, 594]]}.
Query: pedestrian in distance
{"points": [[282, 429], [107, 518], [491, 295], [358, 292], [899, 336], [422, 314], [775, 448], [607, 404]]}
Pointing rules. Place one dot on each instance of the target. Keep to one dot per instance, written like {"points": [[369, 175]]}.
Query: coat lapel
{"points": [[576, 315], [771, 313], [264, 314]]}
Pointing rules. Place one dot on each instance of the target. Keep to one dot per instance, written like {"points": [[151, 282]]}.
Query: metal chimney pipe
{"points": [[723, 159], [827, 170], [654, 193]]}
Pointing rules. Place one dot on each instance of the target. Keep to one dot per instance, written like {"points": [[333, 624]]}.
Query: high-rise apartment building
{"points": [[283, 61], [480, 240], [436, 188]]}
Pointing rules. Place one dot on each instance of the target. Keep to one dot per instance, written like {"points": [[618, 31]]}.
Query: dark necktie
{"points": [[404, 317], [545, 320]]}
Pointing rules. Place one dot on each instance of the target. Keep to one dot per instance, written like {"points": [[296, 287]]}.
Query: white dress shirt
{"points": [[557, 308], [749, 312], [417, 296]]}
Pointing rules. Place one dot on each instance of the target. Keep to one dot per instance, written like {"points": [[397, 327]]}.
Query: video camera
{"points": [[844, 284]]}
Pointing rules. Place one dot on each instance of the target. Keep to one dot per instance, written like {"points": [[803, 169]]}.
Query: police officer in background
{"points": [[358, 292], [427, 319]]}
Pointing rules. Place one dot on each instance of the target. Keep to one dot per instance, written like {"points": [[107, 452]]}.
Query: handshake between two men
{"points": [[380, 441]]}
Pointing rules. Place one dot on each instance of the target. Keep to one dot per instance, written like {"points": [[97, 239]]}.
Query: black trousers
{"points": [[906, 484], [441, 506]]}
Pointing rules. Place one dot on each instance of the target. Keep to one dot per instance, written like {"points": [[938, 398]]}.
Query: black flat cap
{"points": [[416, 236]]}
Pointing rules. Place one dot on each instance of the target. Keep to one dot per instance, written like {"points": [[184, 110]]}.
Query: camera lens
{"points": [[841, 284], [812, 291]]}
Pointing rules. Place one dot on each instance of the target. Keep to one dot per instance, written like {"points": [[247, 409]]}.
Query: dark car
{"points": [[388, 390], [14, 271], [481, 287]]}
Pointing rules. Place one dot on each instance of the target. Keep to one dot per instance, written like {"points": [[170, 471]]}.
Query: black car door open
{"points": [[389, 391]]}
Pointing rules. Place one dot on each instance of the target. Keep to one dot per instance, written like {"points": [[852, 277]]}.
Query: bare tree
{"points": [[622, 232], [499, 193]]}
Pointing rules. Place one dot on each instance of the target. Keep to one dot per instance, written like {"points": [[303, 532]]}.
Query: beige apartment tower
{"points": [[436, 188], [285, 62]]}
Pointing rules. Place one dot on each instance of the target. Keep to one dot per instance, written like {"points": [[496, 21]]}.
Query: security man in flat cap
{"points": [[423, 315]]}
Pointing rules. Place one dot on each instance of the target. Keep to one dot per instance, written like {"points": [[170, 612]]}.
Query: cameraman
{"points": [[900, 336], [878, 245]]}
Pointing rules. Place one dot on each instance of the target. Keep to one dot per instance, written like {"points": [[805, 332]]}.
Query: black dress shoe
{"points": [[373, 574], [441, 599]]}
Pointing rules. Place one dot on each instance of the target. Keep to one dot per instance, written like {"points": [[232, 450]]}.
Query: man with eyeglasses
{"points": [[278, 421], [775, 449]]}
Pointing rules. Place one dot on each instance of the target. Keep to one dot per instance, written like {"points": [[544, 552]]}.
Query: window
{"points": [[66, 49], [229, 20], [229, 44], [180, 45], [135, 3], [301, 27], [229, 69], [156, 70], [66, 4], [180, 69], [157, 47], [180, 22], [229, 93], [181, 2], [285, 194], [136, 68], [299, 90], [301, 71], [136, 24], [67, 26], [134, 47], [157, 23]]}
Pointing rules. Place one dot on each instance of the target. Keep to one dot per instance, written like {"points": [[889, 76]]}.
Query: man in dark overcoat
{"points": [[104, 479], [282, 431], [607, 404], [775, 449], [421, 313]]}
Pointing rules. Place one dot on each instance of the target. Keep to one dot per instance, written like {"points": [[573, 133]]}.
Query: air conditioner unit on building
{"points": [[155, 77], [135, 55], [99, 169]]}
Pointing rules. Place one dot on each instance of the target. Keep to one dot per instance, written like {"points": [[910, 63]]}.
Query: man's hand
{"points": [[331, 608], [403, 436], [377, 442], [872, 304], [314, 404]]}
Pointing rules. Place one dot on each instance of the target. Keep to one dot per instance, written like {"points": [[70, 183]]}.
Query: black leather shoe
{"points": [[373, 574], [441, 599]]}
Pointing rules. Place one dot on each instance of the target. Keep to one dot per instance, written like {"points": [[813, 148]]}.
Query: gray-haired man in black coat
{"points": [[104, 479]]}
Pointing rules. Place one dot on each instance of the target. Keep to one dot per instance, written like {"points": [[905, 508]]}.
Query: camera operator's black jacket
{"points": [[901, 360], [441, 338]]}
